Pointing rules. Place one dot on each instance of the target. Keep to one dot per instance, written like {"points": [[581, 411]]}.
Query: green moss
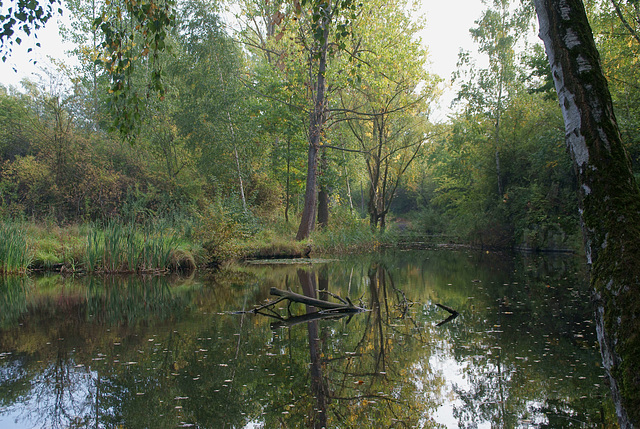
{"points": [[613, 224]]}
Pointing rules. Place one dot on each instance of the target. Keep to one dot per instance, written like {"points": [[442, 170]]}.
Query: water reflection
{"points": [[150, 352]]}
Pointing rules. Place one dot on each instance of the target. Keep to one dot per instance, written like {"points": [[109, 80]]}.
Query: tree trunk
{"points": [[608, 194], [323, 207], [496, 139], [288, 186], [307, 223], [323, 194], [316, 128], [346, 178]]}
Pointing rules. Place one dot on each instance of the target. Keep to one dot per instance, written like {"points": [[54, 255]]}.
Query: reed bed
{"points": [[128, 248], [14, 252]]}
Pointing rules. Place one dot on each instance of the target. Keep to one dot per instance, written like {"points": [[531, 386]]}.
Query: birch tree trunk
{"points": [[608, 194]]}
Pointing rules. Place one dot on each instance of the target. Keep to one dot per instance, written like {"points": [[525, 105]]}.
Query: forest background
{"points": [[211, 163]]}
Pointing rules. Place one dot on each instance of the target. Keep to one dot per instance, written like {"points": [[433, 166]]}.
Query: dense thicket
{"points": [[231, 133]]}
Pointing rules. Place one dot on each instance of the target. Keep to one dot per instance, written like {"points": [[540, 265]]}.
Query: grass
{"points": [[115, 247], [122, 248], [161, 245], [346, 233], [54, 246], [14, 252]]}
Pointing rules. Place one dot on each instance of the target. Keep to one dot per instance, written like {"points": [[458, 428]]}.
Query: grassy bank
{"points": [[114, 247], [162, 246]]}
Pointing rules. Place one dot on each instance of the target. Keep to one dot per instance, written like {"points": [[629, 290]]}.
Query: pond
{"points": [[155, 352]]}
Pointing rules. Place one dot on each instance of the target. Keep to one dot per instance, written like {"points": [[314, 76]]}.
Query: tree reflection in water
{"points": [[137, 352]]}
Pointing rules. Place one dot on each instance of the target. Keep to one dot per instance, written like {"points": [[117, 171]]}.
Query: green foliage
{"points": [[133, 31], [538, 206], [119, 247], [14, 252], [216, 229], [348, 233], [233, 126]]}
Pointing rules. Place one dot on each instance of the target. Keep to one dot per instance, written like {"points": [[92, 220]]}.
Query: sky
{"points": [[446, 32], [31, 64]]}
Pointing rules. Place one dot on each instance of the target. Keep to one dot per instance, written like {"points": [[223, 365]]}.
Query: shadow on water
{"points": [[157, 352]]}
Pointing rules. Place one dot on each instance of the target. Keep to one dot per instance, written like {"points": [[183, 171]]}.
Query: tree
{"points": [[617, 24], [131, 32], [489, 90], [386, 108], [323, 15], [281, 77], [329, 22], [608, 194]]}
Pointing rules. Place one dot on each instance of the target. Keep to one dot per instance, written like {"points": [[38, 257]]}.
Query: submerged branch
{"points": [[308, 317], [318, 303], [453, 313]]}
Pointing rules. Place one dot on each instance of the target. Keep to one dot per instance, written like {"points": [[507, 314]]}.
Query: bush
{"points": [[216, 229], [346, 233]]}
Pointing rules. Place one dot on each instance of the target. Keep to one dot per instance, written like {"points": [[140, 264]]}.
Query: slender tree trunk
{"points": [[316, 129], [323, 194], [373, 208], [608, 194], [235, 151], [307, 223], [496, 139], [323, 207], [288, 190], [346, 178], [235, 154]]}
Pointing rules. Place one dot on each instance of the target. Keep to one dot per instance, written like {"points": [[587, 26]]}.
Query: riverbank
{"points": [[161, 246]]}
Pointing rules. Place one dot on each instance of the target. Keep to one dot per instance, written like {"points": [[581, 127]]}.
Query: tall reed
{"points": [[120, 248], [14, 253]]}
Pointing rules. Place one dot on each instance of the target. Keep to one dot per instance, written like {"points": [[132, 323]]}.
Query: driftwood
{"points": [[346, 306], [308, 317], [327, 309], [449, 309]]}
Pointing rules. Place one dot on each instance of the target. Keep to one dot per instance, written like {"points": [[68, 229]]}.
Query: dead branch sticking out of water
{"points": [[451, 311], [327, 309], [345, 306]]}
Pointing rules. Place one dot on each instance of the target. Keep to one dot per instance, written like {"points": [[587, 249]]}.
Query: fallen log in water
{"points": [[310, 317], [327, 307], [346, 305]]}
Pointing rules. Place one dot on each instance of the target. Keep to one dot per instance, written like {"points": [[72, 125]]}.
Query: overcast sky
{"points": [[447, 31]]}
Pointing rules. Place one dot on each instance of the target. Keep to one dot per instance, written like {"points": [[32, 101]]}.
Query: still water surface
{"points": [[159, 353]]}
